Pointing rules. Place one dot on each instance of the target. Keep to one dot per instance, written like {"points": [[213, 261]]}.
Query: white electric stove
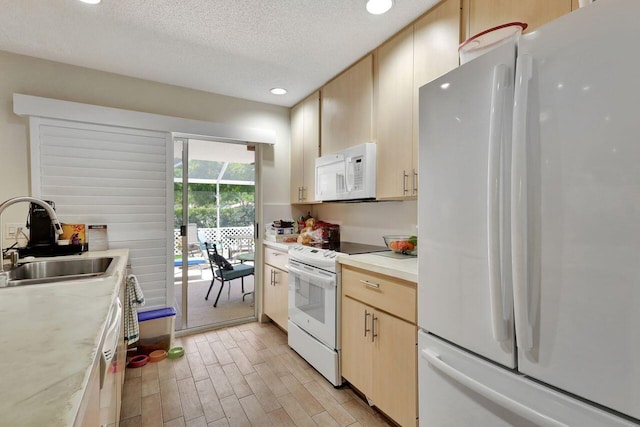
{"points": [[314, 303]]}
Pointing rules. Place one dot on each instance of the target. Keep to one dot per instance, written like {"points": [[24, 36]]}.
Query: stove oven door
{"points": [[312, 301]]}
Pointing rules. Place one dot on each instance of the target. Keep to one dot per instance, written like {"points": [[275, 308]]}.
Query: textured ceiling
{"points": [[240, 48]]}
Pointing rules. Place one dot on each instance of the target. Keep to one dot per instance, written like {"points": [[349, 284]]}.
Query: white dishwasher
{"points": [[110, 366]]}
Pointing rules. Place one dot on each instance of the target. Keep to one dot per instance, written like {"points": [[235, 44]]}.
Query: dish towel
{"points": [[134, 299]]}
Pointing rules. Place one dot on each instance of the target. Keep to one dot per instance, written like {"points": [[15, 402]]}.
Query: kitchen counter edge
{"points": [[404, 268]]}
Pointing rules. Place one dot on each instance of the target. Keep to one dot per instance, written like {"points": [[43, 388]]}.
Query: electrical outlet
{"points": [[12, 229]]}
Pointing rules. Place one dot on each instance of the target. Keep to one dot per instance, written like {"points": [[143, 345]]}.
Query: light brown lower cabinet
{"points": [[275, 290], [379, 349]]}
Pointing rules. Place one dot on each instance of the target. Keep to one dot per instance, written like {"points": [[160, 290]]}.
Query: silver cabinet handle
{"points": [[373, 327], [369, 284], [404, 181], [414, 182], [275, 277], [366, 314]]}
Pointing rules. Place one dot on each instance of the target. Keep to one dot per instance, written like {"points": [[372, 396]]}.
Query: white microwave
{"points": [[348, 174]]}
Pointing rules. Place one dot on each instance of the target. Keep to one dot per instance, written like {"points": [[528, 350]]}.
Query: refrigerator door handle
{"points": [[500, 399], [519, 209], [496, 121]]}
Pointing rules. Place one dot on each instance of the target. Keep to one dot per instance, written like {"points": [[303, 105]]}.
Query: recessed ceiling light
{"points": [[378, 7], [278, 91], [90, 1]]}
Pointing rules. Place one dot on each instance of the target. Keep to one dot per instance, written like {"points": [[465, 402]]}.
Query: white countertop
{"points": [[49, 338], [401, 268]]}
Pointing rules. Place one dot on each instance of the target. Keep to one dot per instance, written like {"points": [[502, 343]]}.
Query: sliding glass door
{"points": [[214, 193]]}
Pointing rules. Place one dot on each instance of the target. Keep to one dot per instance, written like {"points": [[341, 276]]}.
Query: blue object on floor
{"points": [[190, 262], [156, 314]]}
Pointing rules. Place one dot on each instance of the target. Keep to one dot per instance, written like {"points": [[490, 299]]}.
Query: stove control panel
{"points": [[325, 259]]}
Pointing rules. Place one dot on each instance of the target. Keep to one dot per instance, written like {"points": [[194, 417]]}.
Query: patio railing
{"points": [[231, 239]]}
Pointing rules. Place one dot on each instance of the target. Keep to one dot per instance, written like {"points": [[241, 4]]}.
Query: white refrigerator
{"points": [[529, 229]]}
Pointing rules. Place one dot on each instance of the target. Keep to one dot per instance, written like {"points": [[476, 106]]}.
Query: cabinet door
{"points": [[297, 154], [436, 37], [394, 115], [281, 285], [276, 258], [311, 145], [275, 295], [395, 388], [484, 14], [356, 357], [89, 411], [305, 147], [395, 296], [347, 106]]}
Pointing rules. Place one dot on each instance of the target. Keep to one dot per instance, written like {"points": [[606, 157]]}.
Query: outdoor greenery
{"points": [[237, 205], [237, 202]]}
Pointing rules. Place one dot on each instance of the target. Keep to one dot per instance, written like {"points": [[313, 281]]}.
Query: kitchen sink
{"points": [[49, 271]]}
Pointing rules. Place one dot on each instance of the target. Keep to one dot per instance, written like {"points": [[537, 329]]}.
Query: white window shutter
{"points": [[116, 176]]}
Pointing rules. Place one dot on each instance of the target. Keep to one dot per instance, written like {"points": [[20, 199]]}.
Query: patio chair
{"points": [[223, 271], [193, 236], [197, 254]]}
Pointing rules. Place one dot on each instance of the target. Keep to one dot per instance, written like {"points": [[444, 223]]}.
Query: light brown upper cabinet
{"points": [[347, 104], [435, 51], [412, 58], [436, 41], [305, 147], [484, 14], [393, 79]]}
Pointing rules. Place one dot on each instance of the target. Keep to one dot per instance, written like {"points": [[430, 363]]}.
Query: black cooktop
{"points": [[350, 248]]}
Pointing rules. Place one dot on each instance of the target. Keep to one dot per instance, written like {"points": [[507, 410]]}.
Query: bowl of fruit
{"points": [[402, 244]]}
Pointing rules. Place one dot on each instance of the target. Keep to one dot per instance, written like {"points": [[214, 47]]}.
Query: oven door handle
{"points": [[319, 280]]}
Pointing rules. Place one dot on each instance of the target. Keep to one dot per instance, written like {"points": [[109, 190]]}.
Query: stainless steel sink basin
{"points": [[49, 271]]}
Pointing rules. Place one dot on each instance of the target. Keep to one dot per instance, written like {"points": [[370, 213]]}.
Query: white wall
{"points": [[48, 79], [359, 222], [368, 222]]}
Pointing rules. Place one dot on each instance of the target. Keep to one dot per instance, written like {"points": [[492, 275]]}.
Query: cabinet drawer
{"points": [[396, 297], [276, 258]]}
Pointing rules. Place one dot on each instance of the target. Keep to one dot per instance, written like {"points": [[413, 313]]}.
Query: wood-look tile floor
{"points": [[243, 375]]}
